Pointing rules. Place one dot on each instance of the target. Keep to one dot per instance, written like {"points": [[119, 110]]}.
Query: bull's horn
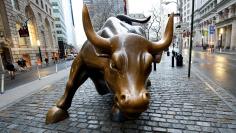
{"points": [[166, 40], [92, 36]]}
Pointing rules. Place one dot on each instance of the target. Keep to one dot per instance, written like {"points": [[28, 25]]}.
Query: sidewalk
{"points": [[230, 52], [24, 77], [178, 104], [13, 95]]}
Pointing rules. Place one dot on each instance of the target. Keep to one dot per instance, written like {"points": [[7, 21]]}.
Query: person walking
{"points": [[46, 60], [11, 70]]}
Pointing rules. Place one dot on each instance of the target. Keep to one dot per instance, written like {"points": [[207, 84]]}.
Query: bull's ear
{"points": [[92, 36], [166, 40]]}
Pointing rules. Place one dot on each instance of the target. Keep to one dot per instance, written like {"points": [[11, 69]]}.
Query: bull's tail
{"points": [[129, 20]]}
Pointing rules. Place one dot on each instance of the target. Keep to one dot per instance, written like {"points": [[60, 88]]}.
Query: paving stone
{"points": [[178, 126], [174, 130], [193, 127], [177, 104], [93, 126], [200, 123], [187, 131], [159, 129], [225, 130]]}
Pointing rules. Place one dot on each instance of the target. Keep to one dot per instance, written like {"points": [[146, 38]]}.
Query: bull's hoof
{"points": [[117, 115], [56, 114]]}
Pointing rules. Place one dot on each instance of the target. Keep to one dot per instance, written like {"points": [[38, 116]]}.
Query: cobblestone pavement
{"points": [[178, 105]]}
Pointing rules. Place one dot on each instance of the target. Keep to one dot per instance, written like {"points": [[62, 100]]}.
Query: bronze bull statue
{"points": [[118, 59]]}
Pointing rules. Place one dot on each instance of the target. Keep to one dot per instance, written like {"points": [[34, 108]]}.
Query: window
{"points": [[50, 12], [54, 4], [42, 4], [22, 40], [40, 17], [55, 10], [188, 11], [59, 32], [32, 33], [57, 19], [59, 39], [46, 7], [58, 25], [15, 4], [37, 2]]}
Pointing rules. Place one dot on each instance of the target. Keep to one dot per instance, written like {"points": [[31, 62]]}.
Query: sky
{"points": [[134, 6]]}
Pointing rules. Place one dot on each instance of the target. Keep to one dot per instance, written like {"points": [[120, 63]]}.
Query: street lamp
{"points": [[40, 56], [191, 40]]}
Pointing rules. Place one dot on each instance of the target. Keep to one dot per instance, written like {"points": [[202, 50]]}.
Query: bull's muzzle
{"points": [[132, 105]]}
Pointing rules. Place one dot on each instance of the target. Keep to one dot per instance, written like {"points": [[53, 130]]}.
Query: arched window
{"points": [[32, 26], [49, 33], [32, 32], [15, 4], [21, 40]]}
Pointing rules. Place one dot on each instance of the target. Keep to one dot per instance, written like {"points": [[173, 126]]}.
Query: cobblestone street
{"points": [[178, 105]]}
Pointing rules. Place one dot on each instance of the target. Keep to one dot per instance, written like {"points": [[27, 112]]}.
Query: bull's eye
{"points": [[113, 65]]}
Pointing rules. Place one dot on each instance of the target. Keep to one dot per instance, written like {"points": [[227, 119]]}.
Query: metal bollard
{"points": [[173, 61], [56, 68], [2, 85], [154, 66]]}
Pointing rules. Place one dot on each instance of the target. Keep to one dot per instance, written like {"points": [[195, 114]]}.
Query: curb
{"points": [[10, 97]]}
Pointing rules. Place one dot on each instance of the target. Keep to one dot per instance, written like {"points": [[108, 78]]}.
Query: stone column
{"points": [[227, 37], [233, 36], [216, 38]]}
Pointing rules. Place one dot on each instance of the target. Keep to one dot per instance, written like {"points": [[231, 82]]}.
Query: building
{"points": [[34, 17], [100, 10], [70, 25], [215, 24], [60, 26], [186, 7]]}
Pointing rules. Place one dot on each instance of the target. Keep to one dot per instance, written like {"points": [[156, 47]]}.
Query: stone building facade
{"points": [[37, 15], [215, 23]]}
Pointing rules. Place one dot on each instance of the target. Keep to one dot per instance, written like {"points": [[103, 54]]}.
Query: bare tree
{"points": [[103, 9], [154, 24]]}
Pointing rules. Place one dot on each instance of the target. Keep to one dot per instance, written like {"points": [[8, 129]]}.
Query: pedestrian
{"points": [[46, 60], [53, 59], [56, 59], [11, 70]]}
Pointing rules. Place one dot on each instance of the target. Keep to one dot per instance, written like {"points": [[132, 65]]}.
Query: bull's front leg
{"points": [[77, 77]]}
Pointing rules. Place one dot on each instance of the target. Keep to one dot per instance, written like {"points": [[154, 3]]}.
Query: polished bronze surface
{"points": [[118, 59]]}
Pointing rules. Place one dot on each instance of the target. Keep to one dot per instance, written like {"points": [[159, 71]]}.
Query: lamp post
{"points": [[40, 56], [191, 41]]}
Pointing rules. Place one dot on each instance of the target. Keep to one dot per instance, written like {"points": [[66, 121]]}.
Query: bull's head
{"points": [[129, 64]]}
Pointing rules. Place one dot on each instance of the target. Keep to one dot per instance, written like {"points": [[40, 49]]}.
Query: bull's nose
{"points": [[122, 98], [146, 96]]}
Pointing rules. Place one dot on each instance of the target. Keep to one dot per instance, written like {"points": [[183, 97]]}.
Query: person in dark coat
{"points": [[11, 70]]}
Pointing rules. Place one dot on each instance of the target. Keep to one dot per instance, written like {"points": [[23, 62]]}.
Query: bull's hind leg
{"points": [[77, 77]]}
